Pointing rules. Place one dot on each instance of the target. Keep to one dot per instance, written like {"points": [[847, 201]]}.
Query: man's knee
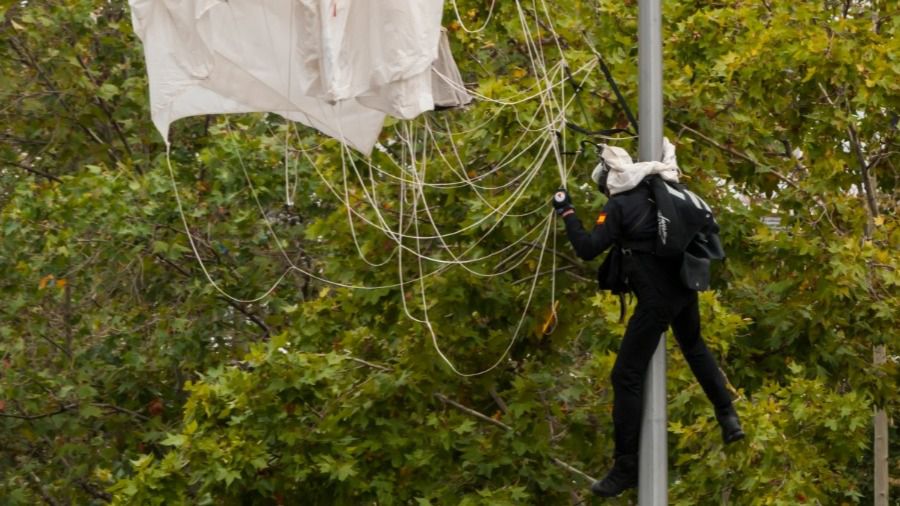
{"points": [[626, 378], [650, 319]]}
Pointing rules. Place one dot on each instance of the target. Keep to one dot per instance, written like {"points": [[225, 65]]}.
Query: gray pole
{"points": [[653, 473]]}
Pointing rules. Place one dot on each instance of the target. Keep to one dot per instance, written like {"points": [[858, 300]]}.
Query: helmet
{"points": [[600, 176]]}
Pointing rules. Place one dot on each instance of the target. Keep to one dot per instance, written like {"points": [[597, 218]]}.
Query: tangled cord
{"points": [[550, 84]]}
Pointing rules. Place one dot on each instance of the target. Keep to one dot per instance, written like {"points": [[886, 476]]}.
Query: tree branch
{"points": [[481, 416], [443, 398], [369, 364], [497, 399], [868, 187], [239, 307], [551, 271], [36, 172], [769, 170], [574, 469], [37, 483], [105, 108], [62, 409], [122, 410], [864, 167], [28, 59], [56, 345], [93, 492], [252, 317], [738, 154]]}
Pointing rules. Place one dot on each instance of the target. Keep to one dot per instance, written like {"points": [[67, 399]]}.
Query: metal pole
{"points": [[653, 472], [882, 478]]}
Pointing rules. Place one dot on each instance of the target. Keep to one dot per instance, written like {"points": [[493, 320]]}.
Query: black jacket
{"points": [[627, 219]]}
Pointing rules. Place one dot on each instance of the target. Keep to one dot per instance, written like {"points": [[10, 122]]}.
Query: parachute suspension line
{"points": [[278, 244], [349, 207], [420, 194], [462, 183], [463, 25], [512, 341], [372, 200], [462, 171], [418, 189], [190, 236], [538, 60], [557, 70], [288, 195], [463, 176], [547, 129], [547, 104], [440, 237], [417, 195], [535, 55], [400, 235], [485, 98], [563, 169], [509, 202], [466, 181], [384, 228], [400, 267]]}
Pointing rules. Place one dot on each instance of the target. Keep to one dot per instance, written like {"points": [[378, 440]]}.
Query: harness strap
{"points": [[639, 246]]}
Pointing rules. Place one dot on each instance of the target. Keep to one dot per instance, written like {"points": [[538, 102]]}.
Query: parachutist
{"points": [[628, 224]]}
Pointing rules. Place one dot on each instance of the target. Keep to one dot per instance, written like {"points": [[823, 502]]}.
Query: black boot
{"points": [[731, 425], [621, 477]]}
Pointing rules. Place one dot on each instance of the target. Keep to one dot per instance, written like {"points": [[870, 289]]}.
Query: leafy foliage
{"points": [[127, 377]]}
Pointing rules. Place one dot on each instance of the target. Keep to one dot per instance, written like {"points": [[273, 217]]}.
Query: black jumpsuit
{"points": [[629, 218]]}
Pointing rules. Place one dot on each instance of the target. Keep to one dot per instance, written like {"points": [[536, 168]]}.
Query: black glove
{"points": [[562, 202]]}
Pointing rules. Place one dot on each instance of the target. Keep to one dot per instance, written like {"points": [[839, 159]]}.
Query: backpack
{"points": [[685, 226]]}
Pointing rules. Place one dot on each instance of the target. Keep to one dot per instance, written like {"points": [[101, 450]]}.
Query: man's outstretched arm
{"points": [[604, 234]]}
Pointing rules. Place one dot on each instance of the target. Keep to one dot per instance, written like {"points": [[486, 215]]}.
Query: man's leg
{"points": [[686, 327], [640, 341]]}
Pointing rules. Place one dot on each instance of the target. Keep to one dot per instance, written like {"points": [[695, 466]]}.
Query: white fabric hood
{"points": [[336, 65], [625, 174]]}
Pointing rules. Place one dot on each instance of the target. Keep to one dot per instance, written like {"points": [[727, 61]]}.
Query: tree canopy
{"points": [[127, 376]]}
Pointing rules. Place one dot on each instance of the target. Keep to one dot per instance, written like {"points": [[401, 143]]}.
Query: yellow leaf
{"points": [[103, 475], [61, 283], [44, 281], [879, 221], [518, 73], [550, 323], [17, 26]]}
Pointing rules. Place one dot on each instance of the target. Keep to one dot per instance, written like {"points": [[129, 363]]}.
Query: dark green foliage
{"points": [[126, 377]]}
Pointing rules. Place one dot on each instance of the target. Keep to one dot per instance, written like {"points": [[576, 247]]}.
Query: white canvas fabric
{"points": [[336, 65], [625, 174], [446, 81]]}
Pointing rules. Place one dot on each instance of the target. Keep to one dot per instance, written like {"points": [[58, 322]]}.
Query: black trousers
{"points": [[662, 302]]}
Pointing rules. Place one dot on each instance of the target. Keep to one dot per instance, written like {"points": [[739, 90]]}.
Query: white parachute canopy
{"points": [[339, 66]]}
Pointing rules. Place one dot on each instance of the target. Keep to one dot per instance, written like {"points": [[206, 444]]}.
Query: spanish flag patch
{"points": [[601, 219]]}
